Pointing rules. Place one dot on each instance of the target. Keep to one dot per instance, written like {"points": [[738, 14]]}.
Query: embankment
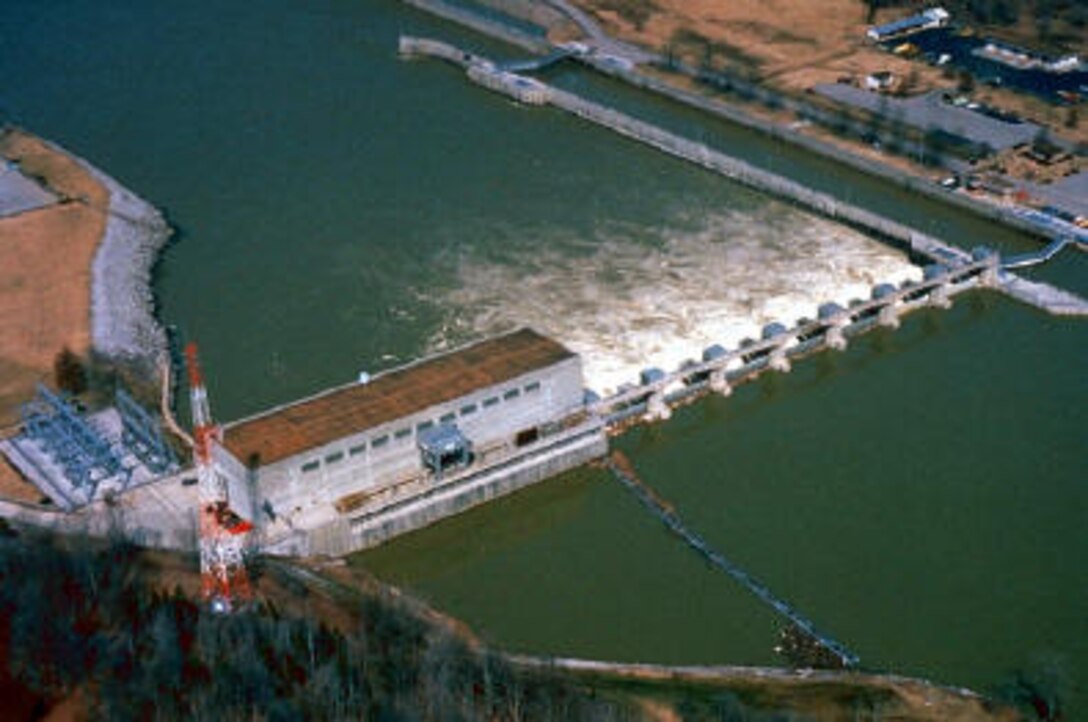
{"points": [[813, 694], [123, 323], [628, 73], [922, 247], [807, 142], [484, 72]]}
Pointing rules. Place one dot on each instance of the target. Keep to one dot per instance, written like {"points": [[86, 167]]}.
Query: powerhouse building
{"points": [[352, 466]]}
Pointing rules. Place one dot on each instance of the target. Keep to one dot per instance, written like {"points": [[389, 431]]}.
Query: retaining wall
{"points": [[750, 175], [552, 458], [921, 246], [814, 145], [482, 72]]}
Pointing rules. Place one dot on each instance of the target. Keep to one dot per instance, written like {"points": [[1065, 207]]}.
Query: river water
{"points": [[921, 496]]}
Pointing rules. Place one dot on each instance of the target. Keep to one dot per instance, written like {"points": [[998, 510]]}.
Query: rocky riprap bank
{"points": [[123, 323]]}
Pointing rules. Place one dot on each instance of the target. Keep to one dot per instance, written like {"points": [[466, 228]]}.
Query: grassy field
{"points": [[45, 270], [795, 44]]}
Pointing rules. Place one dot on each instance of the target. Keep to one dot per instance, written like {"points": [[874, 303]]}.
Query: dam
{"points": [[356, 465], [712, 456], [353, 466]]}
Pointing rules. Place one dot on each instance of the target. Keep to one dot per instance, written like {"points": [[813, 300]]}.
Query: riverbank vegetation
{"points": [[102, 630], [82, 621]]}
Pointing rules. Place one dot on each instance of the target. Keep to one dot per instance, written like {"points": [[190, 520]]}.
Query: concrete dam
{"points": [[355, 465]]}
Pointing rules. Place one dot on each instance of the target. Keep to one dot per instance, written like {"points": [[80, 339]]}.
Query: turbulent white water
{"points": [[662, 299]]}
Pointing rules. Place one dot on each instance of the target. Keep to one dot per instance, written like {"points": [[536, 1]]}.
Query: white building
{"points": [[932, 18], [455, 429]]}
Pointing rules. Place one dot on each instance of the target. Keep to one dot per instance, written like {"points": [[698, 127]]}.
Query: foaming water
{"points": [[643, 298]]}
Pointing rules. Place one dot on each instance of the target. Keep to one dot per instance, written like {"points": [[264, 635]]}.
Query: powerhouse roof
{"points": [[319, 420]]}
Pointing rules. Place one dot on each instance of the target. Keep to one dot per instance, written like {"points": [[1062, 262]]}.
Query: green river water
{"points": [[921, 496]]}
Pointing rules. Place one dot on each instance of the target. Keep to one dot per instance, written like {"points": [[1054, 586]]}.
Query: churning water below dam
{"points": [[639, 296], [921, 496]]}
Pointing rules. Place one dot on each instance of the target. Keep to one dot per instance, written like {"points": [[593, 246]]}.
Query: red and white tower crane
{"points": [[223, 533]]}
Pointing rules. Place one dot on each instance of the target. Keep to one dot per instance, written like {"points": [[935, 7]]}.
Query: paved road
{"points": [[601, 41], [1070, 194]]}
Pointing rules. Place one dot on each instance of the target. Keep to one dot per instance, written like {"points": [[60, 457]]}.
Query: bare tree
{"points": [[69, 372]]}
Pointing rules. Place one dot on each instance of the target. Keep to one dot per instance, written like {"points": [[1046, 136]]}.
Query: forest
{"points": [[81, 621]]}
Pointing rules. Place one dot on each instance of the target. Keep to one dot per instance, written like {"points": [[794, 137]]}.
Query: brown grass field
{"points": [[795, 44], [45, 280], [45, 270]]}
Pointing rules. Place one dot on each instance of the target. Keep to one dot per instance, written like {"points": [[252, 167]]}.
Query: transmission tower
{"points": [[223, 533]]}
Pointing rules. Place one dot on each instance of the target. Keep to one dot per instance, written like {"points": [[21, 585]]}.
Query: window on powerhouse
{"points": [[380, 441]]}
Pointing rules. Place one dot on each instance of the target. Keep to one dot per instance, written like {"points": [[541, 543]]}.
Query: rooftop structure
{"points": [[932, 18]]}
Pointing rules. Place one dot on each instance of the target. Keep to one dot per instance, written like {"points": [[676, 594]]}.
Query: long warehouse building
{"points": [[355, 465]]}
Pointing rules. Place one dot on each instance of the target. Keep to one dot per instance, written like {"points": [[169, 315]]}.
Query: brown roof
{"points": [[347, 410]]}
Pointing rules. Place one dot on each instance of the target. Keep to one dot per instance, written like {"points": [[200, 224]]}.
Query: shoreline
{"points": [[75, 273], [715, 105], [124, 324]]}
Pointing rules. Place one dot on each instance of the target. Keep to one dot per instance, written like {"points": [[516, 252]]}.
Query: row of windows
{"points": [[400, 434]]}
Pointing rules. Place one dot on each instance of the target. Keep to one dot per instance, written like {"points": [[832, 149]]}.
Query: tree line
{"points": [[83, 617]]}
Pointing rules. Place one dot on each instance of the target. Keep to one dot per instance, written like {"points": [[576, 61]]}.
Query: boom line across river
{"points": [[622, 470]]}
